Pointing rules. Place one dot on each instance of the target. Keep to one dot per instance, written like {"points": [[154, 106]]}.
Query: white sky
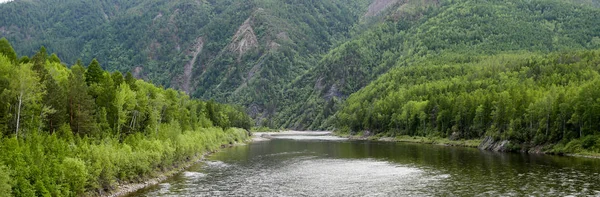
{"points": [[2, 1]]}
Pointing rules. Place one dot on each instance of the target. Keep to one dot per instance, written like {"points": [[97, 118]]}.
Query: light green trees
{"points": [[28, 94], [125, 101]]}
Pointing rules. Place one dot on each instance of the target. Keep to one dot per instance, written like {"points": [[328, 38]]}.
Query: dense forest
{"points": [[227, 50], [526, 98], [290, 63], [418, 30], [82, 130]]}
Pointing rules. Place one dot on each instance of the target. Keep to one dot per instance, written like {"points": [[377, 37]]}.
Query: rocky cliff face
{"points": [[494, 145]]}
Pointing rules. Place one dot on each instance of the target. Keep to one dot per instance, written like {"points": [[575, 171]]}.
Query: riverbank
{"points": [[265, 136], [416, 139], [571, 149], [129, 188]]}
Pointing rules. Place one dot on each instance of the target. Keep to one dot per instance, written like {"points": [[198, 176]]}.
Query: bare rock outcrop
{"points": [[244, 39]]}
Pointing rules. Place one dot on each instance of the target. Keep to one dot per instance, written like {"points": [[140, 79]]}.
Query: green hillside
{"points": [[290, 63], [421, 30], [224, 50], [525, 98]]}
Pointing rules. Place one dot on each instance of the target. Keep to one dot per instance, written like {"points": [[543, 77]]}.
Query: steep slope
{"points": [[415, 30], [291, 63], [515, 101], [234, 51], [273, 47]]}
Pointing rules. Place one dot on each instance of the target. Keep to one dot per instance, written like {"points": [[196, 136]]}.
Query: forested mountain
{"points": [[524, 98], [415, 30], [232, 51], [290, 63]]}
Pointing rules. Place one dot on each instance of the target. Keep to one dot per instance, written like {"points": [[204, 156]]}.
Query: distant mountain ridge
{"points": [[291, 63]]}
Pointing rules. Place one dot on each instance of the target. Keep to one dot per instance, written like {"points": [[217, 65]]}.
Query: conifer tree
{"points": [[94, 73], [80, 104], [7, 50]]}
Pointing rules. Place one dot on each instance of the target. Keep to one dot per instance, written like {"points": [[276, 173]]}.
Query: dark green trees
{"points": [[94, 73], [525, 98], [80, 104], [7, 50]]}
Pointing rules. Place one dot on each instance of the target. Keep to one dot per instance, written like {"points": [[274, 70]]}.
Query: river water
{"points": [[331, 166]]}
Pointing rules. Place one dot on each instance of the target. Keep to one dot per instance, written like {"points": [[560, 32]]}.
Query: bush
{"points": [[75, 175], [589, 142], [5, 182]]}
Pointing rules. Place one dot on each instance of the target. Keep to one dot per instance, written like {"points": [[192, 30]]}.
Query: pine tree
{"points": [[117, 78], [54, 58], [40, 57], [94, 73], [130, 80], [80, 104], [7, 50]]}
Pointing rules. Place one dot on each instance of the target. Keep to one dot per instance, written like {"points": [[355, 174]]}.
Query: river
{"points": [[330, 166]]}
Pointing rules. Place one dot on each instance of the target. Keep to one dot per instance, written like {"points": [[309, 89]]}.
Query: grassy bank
{"points": [[586, 147], [64, 165]]}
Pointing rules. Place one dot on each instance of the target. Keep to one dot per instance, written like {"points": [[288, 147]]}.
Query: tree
{"points": [[40, 57], [27, 90], [80, 103], [54, 58], [125, 102], [55, 98], [94, 73], [7, 50], [117, 78], [130, 80]]}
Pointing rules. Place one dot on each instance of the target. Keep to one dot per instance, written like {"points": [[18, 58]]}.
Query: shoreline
{"points": [[124, 189], [418, 140], [437, 141]]}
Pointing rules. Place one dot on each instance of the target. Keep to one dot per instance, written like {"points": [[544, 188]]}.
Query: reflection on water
{"points": [[285, 167]]}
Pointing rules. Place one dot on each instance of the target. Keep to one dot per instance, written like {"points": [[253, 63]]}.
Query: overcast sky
{"points": [[2, 1]]}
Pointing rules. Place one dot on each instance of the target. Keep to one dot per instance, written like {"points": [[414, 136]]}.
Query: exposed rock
{"points": [[333, 92], [244, 39], [266, 136], [153, 49], [189, 67], [490, 144], [379, 5], [137, 72], [283, 36], [158, 16], [3, 31], [273, 46]]}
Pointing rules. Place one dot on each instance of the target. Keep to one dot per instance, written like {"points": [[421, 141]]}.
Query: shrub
{"points": [[75, 174], [589, 142], [5, 182]]}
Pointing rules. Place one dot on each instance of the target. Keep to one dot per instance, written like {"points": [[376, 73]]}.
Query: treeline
{"points": [[419, 30], [525, 98], [66, 131]]}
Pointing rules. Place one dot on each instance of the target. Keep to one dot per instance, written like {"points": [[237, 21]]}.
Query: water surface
{"points": [[330, 166]]}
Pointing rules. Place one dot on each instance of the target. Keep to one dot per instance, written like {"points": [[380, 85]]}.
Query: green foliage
{"points": [[64, 137], [94, 73], [75, 175], [5, 181], [7, 50], [524, 98], [419, 30]]}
